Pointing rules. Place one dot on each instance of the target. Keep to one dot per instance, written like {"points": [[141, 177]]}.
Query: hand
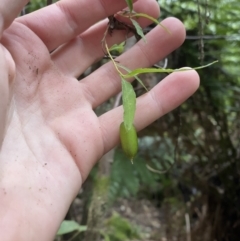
{"points": [[50, 135]]}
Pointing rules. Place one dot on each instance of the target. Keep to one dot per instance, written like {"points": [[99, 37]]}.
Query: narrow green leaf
{"points": [[154, 70], [70, 226], [147, 70], [129, 103], [135, 76], [144, 15], [139, 29], [130, 4]]}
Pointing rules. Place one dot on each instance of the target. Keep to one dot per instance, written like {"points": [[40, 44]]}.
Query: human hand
{"points": [[51, 137]]}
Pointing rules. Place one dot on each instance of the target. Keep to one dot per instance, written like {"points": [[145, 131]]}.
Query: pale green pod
{"points": [[129, 141]]}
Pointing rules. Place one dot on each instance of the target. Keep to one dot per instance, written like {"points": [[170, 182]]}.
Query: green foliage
{"points": [[34, 5], [155, 70], [130, 4], [128, 179], [135, 76], [120, 229], [69, 226], [154, 20], [210, 120], [162, 158], [117, 48], [139, 29]]}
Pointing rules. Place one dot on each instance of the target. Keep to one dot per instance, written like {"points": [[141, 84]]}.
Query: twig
{"points": [[188, 228]]}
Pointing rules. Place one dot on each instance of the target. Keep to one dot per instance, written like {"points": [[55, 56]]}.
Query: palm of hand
{"points": [[49, 109], [57, 133]]}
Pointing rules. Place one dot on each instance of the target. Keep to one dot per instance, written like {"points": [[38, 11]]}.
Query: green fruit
{"points": [[129, 140]]}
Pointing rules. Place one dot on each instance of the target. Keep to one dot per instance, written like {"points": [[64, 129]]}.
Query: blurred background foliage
{"points": [[184, 183]]}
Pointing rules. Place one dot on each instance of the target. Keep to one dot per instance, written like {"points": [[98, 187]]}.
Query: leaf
{"points": [[70, 226], [135, 76], [150, 18], [117, 47], [106, 236], [154, 70], [130, 4], [139, 29], [129, 103]]}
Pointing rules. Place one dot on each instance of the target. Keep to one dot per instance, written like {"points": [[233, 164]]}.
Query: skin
{"points": [[50, 136]]}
